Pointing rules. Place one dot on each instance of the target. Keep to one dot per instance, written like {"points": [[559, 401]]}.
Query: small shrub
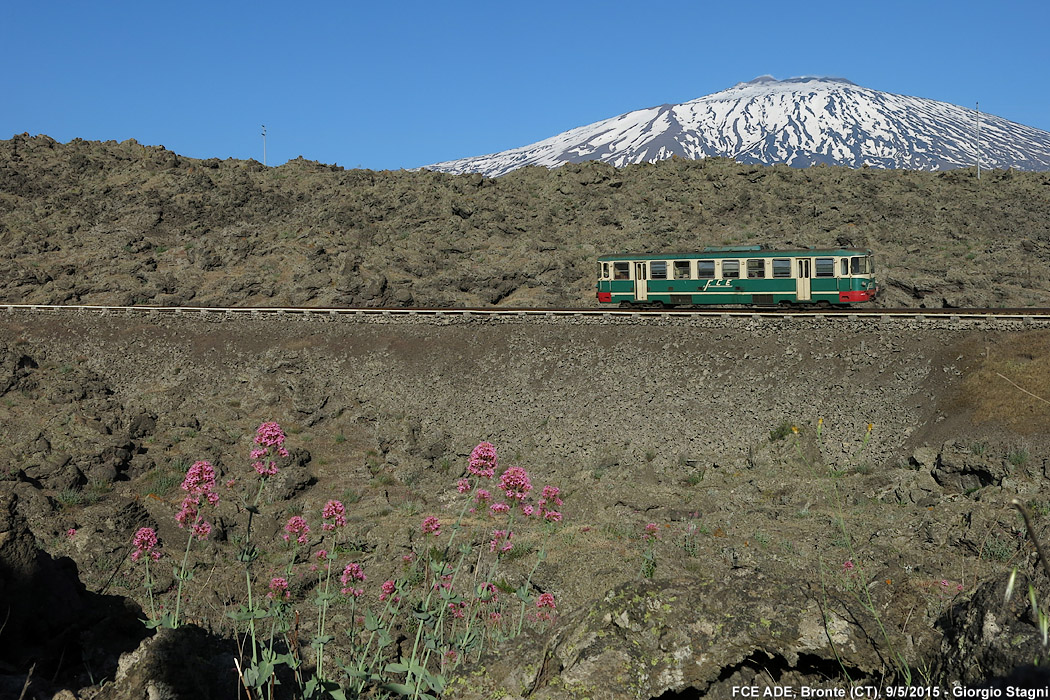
{"points": [[781, 431]]}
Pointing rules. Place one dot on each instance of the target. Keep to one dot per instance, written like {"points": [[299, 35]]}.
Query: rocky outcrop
{"points": [[52, 630], [670, 638]]}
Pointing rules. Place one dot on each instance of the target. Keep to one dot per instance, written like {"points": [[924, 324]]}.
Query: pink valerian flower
{"points": [[71, 532], [848, 566], [270, 435], [200, 482], [271, 438], [202, 528], [463, 486], [457, 610], [552, 516], [482, 496], [352, 574], [499, 508], [322, 555], [188, 513], [145, 540], [431, 526], [483, 461], [199, 485], [334, 511], [297, 526], [445, 582], [488, 593], [652, 532], [279, 588], [515, 484], [389, 588], [527, 510], [545, 608], [548, 497], [501, 541], [265, 468]]}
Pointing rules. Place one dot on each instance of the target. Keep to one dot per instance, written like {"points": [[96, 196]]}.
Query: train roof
{"points": [[738, 252]]}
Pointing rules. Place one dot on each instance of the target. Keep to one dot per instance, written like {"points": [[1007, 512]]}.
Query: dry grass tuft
{"points": [[1011, 383]]}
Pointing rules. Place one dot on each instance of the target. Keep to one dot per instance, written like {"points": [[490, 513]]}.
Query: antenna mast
{"points": [[264, 143]]}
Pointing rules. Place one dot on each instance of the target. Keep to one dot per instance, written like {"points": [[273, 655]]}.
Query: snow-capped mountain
{"points": [[800, 122]]}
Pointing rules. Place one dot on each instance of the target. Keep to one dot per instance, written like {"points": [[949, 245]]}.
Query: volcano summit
{"points": [[799, 122]]}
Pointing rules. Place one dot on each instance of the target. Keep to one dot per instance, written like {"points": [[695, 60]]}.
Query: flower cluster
{"points": [[351, 574], [270, 439], [545, 607], [483, 461], [335, 512], [515, 484], [652, 533], [279, 588], [199, 484], [145, 541], [297, 527], [501, 541], [431, 526], [389, 588]]}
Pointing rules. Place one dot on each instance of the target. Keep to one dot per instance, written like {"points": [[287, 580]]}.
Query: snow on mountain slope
{"points": [[800, 122]]}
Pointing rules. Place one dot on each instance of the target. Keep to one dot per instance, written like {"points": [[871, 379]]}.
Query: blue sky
{"points": [[404, 84]]}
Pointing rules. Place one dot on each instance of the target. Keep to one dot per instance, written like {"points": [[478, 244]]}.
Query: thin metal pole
{"points": [[264, 143], [978, 140]]}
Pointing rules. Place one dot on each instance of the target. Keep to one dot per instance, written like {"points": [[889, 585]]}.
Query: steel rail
{"points": [[909, 313]]}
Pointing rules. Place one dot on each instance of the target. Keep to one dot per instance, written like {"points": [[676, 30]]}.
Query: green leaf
{"points": [[371, 621], [399, 688], [319, 642], [396, 668], [436, 682]]}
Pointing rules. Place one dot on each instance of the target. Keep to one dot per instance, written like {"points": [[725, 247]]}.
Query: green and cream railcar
{"points": [[750, 275]]}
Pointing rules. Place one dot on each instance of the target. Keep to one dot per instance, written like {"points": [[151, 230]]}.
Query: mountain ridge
{"points": [[800, 122]]}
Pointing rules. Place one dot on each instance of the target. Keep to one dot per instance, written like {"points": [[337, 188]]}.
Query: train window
{"points": [[705, 269], [825, 267], [859, 266], [621, 271], [756, 269], [730, 269], [658, 270], [845, 266], [781, 268], [603, 271], [681, 270]]}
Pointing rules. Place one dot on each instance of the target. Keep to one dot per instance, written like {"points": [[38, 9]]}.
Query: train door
{"points": [[641, 281], [802, 285]]}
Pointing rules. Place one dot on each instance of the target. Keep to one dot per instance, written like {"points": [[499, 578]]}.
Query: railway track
{"points": [[1019, 315]]}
